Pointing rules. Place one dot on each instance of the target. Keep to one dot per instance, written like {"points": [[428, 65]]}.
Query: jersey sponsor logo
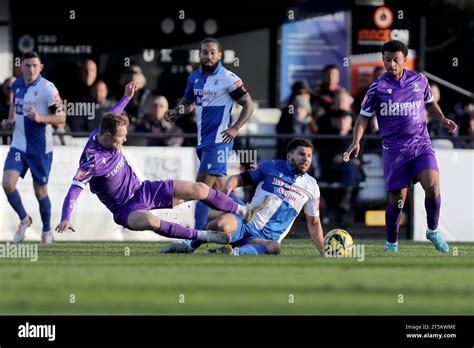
{"points": [[391, 108], [286, 186], [117, 168]]}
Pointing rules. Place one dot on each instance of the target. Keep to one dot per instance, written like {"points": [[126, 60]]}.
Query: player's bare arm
{"points": [[184, 107], [359, 129], [59, 117], [235, 181], [247, 110], [434, 109], [315, 230], [10, 121]]}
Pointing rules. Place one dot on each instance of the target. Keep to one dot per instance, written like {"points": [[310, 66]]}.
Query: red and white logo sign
{"points": [[383, 17]]}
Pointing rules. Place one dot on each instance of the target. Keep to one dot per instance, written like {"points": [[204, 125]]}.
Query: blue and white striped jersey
{"points": [[289, 193], [213, 97], [30, 136]]}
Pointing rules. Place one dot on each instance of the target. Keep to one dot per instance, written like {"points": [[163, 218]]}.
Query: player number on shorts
{"points": [[17, 156]]}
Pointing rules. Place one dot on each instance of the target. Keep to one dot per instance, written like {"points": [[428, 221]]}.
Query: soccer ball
{"points": [[338, 243]]}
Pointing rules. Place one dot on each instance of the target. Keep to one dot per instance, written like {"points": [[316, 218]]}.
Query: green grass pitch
{"points": [[73, 278]]}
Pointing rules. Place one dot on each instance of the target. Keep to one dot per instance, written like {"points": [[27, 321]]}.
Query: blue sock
{"points": [[45, 211], [236, 198], [15, 201], [200, 221], [253, 249]]}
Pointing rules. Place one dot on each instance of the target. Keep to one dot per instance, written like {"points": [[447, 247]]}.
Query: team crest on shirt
{"points": [[416, 87], [389, 90], [36, 93], [216, 82]]}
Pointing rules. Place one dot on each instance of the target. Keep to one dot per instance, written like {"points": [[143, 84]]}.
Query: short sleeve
{"points": [[234, 85], [52, 95], [311, 208], [428, 95], [369, 103], [258, 172], [86, 170]]}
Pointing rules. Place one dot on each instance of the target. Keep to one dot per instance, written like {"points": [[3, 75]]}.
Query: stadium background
{"points": [[260, 46]]}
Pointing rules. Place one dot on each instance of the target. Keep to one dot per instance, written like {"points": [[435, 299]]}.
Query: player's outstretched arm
{"points": [[315, 230], [68, 206], [434, 109], [359, 129], [130, 89], [239, 180]]}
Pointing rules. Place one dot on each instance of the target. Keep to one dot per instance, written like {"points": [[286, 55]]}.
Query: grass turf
{"points": [[99, 278]]}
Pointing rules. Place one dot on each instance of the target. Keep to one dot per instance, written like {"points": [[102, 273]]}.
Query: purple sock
{"points": [[432, 206], [392, 222], [219, 201], [172, 230]]}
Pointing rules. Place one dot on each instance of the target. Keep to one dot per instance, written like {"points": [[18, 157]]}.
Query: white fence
{"points": [[457, 197], [90, 217]]}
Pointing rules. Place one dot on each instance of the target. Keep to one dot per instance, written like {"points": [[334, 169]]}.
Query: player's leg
{"points": [[213, 164], [142, 220], [213, 198], [225, 223], [40, 167], [9, 182], [41, 193], [429, 180], [202, 210], [393, 214], [15, 166], [397, 179]]}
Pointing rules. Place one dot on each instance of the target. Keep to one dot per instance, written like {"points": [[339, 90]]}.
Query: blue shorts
{"points": [[214, 158], [39, 164], [244, 233]]}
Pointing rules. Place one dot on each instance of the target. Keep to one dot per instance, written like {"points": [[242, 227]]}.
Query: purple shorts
{"points": [[400, 166], [150, 195]]}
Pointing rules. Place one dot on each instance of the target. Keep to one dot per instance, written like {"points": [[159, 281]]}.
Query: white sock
{"points": [[431, 231], [242, 210], [202, 235]]}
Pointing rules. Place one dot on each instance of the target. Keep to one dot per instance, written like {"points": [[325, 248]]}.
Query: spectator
{"points": [[350, 174], [376, 73], [327, 89], [155, 123], [88, 72], [6, 98], [142, 99], [299, 103], [466, 126], [98, 95]]}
